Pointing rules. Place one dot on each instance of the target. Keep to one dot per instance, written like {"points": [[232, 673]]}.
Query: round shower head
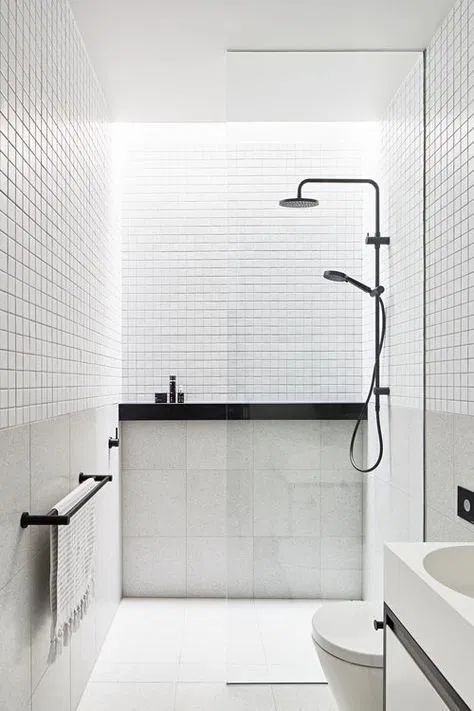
{"points": [[335, 276], [299, 202]]}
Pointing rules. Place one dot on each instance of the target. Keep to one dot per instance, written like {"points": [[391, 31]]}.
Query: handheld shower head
{"points": [[332, 275], [299, 202]]}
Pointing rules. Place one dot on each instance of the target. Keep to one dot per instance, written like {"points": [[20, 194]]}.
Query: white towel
{"points": [[71, 567]]}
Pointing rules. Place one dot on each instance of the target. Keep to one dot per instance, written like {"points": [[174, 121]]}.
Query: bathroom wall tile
{"points": [[49, 446], [341, 553], [206, 567], [153, 445], [287, 444], [449, 384], [341, 584], [206, 503], [239, 453], [154, 502], [230, 310], [463, 450], [154, 567], [53, 691], [335, 440], [41, 621], [393, 510], [206, 444], [442, 528], [15, 498], [287, 567], [15, 672], [83, 654], [240, 567], [406, 449], [239, 499], [108, 503], [287, 502], [341, 509], [439, 461], [60, 311], [83, 452]]}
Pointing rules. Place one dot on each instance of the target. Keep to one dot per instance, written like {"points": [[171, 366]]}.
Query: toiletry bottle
{"points": [[180, 396], [172, 388]]}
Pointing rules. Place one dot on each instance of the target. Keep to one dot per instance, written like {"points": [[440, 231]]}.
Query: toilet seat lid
{"points": [[346, 630]]}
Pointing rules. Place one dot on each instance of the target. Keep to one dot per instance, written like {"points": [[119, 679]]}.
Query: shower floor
{"points": [[177, 655]]}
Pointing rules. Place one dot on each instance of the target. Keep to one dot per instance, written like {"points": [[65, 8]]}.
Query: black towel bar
{"points": [[52, 518]]}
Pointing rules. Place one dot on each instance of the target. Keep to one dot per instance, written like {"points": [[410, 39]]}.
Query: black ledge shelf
{"points": [[241, 411]]}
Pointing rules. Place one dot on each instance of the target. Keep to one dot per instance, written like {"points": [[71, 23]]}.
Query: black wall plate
{"points": [[466, 504]]}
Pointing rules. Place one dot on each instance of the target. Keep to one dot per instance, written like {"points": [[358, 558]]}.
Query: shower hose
{"points": [[363, 412]]}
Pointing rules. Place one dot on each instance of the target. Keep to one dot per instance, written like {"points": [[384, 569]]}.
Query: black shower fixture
{"points": [[299, 202], [380, 320], [332, 275]]}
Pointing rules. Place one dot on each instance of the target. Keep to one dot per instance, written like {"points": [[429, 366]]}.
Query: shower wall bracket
{"points": [[377, 241], [381, 391]]}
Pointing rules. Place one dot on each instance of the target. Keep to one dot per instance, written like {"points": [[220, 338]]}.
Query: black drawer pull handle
{"points": [[378, 625]]}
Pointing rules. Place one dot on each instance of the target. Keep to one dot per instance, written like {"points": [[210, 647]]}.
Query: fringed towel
{"points": [[71, 567]]}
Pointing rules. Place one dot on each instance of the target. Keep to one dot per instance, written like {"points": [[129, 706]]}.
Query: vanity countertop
{"points": [[439, 618]]}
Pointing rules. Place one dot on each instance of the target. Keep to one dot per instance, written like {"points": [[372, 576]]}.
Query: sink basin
{"points": [[452, 566]]}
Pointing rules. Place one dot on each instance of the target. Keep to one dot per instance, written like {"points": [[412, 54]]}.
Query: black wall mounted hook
{"points": [[114, 441]]}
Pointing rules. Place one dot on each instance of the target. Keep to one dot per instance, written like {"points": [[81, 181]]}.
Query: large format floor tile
{"points": [[177, 655], [219, 697], [128, 697]]}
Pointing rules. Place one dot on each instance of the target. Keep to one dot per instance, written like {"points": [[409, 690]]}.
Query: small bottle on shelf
{"points": [[172, 388], [180, 396]]}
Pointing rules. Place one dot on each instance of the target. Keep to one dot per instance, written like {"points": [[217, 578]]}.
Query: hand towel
{"points": [[72, 550]]}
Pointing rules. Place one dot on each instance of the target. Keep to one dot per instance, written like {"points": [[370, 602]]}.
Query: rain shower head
{"points": [[332, 275], [299, 202]]}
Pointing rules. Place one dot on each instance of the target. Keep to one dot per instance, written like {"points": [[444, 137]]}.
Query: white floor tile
{"points": [[128, 697], [203, 641], [200, 644], [142, 645], [133, 672], [204, 672], [305, 697], [219, 697]]}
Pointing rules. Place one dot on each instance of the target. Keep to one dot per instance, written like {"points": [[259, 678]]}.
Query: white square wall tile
{"points": [[206, 567], [154, 566], [206, 503], [153, 445], [231, 303], [154, 502]]}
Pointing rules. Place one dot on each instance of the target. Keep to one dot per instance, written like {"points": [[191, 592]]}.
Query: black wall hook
{"points": [[114, 441]]}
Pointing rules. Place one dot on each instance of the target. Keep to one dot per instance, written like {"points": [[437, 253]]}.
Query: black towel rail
{"points": [[52, 518]]}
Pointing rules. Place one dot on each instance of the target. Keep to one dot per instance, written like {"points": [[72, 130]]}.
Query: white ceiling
{"points": [[313, 86], [166, 61]]}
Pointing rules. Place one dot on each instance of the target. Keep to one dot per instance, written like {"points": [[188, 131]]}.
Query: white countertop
{"points": [[440, 619]]}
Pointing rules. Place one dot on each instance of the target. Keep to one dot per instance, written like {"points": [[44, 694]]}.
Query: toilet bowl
{"points": [[351, 653]]}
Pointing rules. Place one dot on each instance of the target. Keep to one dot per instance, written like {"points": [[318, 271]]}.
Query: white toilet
{"points": [[351, 653]]}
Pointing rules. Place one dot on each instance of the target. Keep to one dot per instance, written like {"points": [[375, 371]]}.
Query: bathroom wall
{"points": [[222, 286], [41, 463], [449, 268], [264, 508], [393, 493], [59, 339]]}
